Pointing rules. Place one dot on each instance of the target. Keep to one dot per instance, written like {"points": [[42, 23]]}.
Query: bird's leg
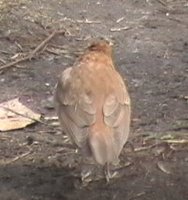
{"points": [[107, 172]]}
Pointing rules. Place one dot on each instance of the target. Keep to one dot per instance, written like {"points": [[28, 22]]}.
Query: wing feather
{"points": [[116, 111], [75, 108]]}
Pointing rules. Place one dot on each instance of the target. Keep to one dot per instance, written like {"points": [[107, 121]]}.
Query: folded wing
{"points": [[75, 108], [117, 113]]}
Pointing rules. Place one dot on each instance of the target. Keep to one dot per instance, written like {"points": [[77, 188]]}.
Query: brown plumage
{"points": [[93, 104]]}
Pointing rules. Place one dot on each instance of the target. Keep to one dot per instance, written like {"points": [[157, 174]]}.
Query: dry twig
{"points": [[87, 21], [33, 53], [120, 29], [177, 141], [162, 2], [146, 147], [2, 61], [120, 19], [9, 161]]}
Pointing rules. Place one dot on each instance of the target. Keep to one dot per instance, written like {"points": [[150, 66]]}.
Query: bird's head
{"points": [[101, 46]]}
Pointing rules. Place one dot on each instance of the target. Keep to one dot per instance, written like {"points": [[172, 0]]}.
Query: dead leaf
{"points": [[14, 115]]}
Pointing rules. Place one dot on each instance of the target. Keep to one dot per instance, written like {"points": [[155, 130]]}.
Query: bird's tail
{"points": [[103, 146]]}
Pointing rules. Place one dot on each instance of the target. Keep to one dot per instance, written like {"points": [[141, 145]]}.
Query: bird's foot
{"points": [[114, 171], [109, 174]]}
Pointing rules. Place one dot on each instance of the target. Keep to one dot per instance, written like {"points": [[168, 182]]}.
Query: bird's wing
{"points": [[75, 107], [117, 112]]}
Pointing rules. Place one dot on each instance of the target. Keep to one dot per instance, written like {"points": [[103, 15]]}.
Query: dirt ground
{"points": [[150, 49]]}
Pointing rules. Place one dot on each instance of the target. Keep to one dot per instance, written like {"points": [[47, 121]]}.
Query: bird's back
{"points": [[94, 106]]}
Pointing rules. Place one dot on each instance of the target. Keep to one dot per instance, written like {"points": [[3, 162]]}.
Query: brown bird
{"points": [[93, 105]]}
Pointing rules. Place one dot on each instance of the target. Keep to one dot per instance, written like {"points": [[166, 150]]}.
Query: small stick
{"points": [[177, 141], [6, 162], [120, 19], [2, 61], [120, 29], [32, 54], [87, 21], [162, 2], [42, 44], [10, 64], [146, 148]]}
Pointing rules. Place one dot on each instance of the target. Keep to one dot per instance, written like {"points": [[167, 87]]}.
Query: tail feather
{"points": [[103, 147]]}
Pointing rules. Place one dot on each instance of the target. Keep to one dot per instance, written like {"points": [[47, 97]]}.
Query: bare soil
{"points": [[151, 52]]}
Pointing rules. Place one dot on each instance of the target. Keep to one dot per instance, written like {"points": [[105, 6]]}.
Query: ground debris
{"points": [[14, 115], [164, 167], [32, 54]]}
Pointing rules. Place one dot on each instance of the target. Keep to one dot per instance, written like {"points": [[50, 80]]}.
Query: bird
{"points": [[94, 107]]}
